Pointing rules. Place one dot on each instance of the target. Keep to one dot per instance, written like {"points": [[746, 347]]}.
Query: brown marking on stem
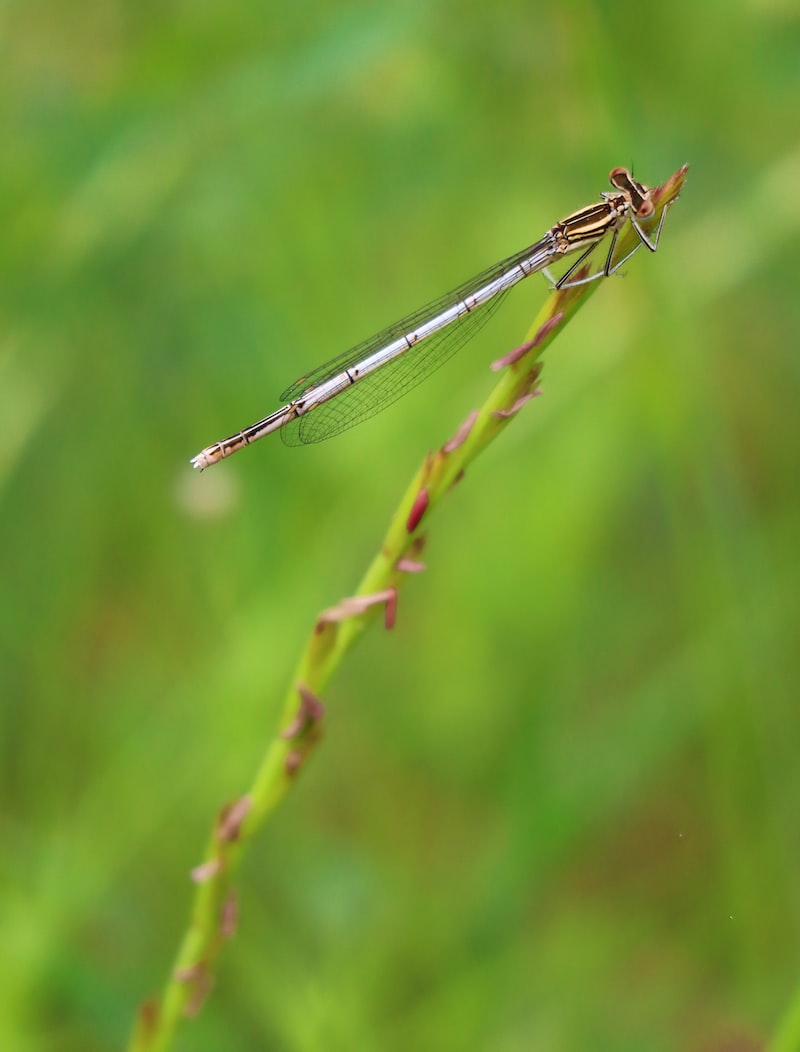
{"points": [[206, 870], [406, 565], [504, 414], [391, 610], [293, 763], [230, 818], [201, 988], [148, 1016], [418, 509], [547, 328], [461, 435], [354, 605], [512, 356], [229, 916], [310, 711]]}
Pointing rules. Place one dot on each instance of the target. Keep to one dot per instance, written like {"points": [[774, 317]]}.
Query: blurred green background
{"points": [[557, 807]]}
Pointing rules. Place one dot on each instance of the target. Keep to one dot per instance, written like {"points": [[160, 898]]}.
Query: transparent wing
{"points": [[377, 390], [405, 325]]}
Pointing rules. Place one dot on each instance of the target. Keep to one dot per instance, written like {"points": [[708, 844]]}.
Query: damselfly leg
{"points": [[611, 265]]}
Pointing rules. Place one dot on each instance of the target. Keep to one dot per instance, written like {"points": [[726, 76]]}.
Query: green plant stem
{"points": [[333, 635]]}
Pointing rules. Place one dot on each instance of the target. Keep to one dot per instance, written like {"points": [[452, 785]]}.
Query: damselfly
{"points": [[370, 376]]}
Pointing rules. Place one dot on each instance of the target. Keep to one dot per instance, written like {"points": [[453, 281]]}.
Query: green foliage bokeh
{"points": [[556, 807]]}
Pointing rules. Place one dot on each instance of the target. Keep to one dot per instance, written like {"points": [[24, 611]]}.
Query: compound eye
{"points": [[619, 177]]}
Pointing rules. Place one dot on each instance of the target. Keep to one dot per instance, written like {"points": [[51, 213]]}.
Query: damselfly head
{"points": [[637, 193]]}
